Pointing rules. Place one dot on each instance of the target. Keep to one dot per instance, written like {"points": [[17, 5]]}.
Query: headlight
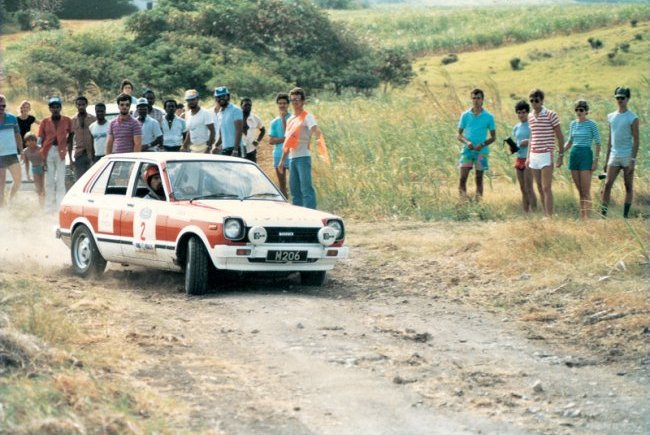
{"points": [[233, 229], [337, 225]]}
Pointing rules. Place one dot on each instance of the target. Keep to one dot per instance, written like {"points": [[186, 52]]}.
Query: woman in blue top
{"points": [[583, 133], [521, 134]]}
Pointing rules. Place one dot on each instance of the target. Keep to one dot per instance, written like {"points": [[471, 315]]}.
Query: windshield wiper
{"points": [[257, 195], [214, 196]]}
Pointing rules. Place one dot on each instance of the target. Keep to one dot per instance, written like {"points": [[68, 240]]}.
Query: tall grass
{"points": [[431, 30]]}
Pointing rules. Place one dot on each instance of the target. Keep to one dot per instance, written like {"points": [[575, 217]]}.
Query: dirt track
{"points": [[377, 350]]}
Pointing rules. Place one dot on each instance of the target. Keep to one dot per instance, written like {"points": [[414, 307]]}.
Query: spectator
{"points": [[10, 143], [53, 135], [276, 137], [25, 119], [622, 149], [80, 139], [199, 125], [583, 133], [521, 133], [124, 132], [180, 110], [301, 127], [99, 132], [229, 122], [173, 128], [544, 125], [152, 136], [32, 154], [473, 128], [252, 129], [126, 87], [154, 112]]}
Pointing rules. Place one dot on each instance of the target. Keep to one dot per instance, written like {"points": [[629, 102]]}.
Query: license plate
{"points": [[287, 256]]}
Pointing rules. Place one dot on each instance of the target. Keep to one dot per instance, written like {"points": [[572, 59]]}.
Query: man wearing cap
{"points": [[622, 149], [53, 136], [152, 136], [124, 132], [11, 143], [230, 121], [253, 129], [80, 140], [154, 112], [199, 124]]}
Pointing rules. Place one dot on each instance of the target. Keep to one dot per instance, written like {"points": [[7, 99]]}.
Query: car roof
{"points": [[162, 156]]}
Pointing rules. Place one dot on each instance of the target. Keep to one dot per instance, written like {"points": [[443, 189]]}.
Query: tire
{"points": [[315, 279], [196, 267], [86, 259]]}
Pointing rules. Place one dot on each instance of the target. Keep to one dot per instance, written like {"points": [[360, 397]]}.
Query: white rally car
{"points": [[215, 213]]}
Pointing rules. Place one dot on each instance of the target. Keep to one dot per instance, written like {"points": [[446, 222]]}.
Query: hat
{"points": [[622, 92], [142, 102], [191, 94], [221, 91], [54, 100]]}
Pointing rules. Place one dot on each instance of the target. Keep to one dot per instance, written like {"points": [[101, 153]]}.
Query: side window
{"points": [[118, 181], [141, 188], [99, 188]]}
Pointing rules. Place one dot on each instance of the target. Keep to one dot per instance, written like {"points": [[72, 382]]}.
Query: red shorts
{"points": [[520, 163]]}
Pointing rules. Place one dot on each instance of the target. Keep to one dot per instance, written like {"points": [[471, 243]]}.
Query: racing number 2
{"points": [[142, 227]]}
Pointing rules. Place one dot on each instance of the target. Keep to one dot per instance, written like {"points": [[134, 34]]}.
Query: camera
{"points": [[512, 144], [602, 176]]}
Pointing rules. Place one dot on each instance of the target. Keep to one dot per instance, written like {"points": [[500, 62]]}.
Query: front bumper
{"points": [[226, 257]]}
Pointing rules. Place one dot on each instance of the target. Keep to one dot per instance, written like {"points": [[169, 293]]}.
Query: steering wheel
{"points": [[188, 190]]}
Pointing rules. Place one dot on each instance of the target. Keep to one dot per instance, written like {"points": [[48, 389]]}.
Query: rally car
{"points": [[211, 213]]}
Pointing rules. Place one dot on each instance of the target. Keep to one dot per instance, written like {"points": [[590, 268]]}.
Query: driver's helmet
{"points": [[150, 172]]}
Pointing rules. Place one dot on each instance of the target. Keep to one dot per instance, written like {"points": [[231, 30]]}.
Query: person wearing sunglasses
{"points": [[583, 133], [10, 144], [622, 149], [544, 130]]}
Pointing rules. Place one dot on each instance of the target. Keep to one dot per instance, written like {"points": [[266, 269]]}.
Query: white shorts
{"points": [[541, 160], [623, 162]]}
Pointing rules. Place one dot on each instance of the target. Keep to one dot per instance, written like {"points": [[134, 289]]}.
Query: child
{"points": [[31, 154]]}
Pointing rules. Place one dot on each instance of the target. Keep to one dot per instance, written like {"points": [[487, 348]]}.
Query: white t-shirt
{"points": [[302, 150], [100, 134], [254, 125], [197, 126]]}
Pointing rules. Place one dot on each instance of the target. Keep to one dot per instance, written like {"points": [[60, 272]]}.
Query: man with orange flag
{"points": [[301, 127]]}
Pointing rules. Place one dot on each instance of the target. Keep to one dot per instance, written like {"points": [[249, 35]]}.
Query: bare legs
{"points": [[544, 180], [14, 170], [628, 179], [462, 185], [528, 198], [582, 180]]}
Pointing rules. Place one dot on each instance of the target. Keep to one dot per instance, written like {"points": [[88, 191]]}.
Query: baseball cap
{"points": [[191, 94], [221, 91], [54, 101], [622, 92], [142, 102]]}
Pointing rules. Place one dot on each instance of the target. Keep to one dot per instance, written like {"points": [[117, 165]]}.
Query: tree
{"points": [[395, 68], [44, 6], [96, 9]]}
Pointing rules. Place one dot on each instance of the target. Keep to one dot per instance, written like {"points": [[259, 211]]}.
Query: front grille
{"points": [[290, 235]]}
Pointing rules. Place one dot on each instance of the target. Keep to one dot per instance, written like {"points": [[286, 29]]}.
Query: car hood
{"points": [[265, 213]]}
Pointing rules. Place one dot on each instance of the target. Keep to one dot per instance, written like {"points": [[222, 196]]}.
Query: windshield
{"points": [[192, 180]]}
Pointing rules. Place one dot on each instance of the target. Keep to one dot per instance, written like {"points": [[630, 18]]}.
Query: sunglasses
{"points": [[621, 98], [535, 100], [295, 100], [3, 105], [580, 109]]}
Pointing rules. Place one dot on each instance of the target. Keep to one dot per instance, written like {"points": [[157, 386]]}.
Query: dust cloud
{"points": [[27, 237]]}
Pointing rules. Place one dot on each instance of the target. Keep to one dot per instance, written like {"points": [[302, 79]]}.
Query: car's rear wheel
{"points": [[196, 267], [86, 259], [316, 279]]}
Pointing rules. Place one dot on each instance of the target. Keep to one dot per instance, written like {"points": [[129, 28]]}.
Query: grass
{"points": [[433, 30], [53, 375]]}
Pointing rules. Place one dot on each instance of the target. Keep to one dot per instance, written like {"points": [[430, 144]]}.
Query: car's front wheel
{"points": [[197, 265], [86, 259], [316, 279]]}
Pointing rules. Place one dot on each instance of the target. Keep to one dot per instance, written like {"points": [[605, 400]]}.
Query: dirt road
{"points": [[377, 350]]}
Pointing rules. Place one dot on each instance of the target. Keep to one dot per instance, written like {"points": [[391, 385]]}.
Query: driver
{"points": [[152, 178]]}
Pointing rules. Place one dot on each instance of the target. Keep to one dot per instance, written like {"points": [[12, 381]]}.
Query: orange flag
{"points": [[292, 136]]}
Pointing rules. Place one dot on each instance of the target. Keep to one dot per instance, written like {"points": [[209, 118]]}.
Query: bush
{"points": [[24, 19], [595, 43], [634, 22], [450, 58], [515, 64], [625, 47], [96, 9], [638, 37], [47, 21]]}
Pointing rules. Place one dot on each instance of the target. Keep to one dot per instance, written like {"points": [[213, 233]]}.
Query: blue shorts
{"points": [[276, 160], [581, 159], [473, 159], [37, 170]]}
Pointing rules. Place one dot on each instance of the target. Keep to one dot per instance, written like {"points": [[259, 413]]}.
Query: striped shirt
{"points": [[583, 134], [542, 136], [123, 132]]}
